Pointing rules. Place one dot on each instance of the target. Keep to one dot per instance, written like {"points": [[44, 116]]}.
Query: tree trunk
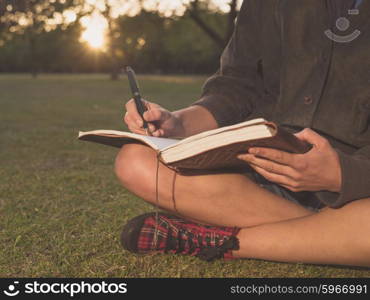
{"points": [[213, 34], [231, 19], [32, 54], [31, 39], [114, 75], [114, 66]]}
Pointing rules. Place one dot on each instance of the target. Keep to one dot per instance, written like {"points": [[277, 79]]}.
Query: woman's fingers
{"points": [[133, 125], [133, 113]]}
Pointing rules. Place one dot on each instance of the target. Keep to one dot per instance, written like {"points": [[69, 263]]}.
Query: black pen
{"points": [[137, 97]]}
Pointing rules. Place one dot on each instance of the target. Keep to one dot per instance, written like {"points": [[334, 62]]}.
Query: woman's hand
{"points": [[161, 122], [319, 169]]}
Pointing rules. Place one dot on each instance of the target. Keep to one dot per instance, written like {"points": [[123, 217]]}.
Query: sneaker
{"points": [[165, 233]]}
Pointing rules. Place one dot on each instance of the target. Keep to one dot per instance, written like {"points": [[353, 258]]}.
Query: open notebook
{"points": [[211, 149]]}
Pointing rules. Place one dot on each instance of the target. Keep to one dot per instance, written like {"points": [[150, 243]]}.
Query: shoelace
{"points": [[190, 243]]}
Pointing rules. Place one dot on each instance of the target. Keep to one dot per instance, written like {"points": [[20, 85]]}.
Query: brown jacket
{"points": [[281, 65]]}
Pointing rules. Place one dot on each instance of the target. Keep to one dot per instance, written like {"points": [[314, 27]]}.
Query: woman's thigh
{"points": [[218, 198]]}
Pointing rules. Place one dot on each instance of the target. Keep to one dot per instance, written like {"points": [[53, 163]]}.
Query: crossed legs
{"points": [[273, 228]]}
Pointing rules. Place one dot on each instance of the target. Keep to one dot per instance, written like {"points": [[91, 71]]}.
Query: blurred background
{"points": [[74, 36]]}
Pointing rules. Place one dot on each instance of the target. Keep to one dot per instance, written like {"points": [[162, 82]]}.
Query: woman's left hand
{"points": [[319, 169]]}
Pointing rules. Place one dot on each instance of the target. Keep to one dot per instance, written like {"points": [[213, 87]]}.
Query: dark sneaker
{"points": [[166, 233]]}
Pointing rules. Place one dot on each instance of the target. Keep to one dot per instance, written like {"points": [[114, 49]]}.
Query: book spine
{"points": [[289, 142]]}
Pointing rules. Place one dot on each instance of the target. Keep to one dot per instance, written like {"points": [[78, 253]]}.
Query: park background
{"points": [[61, 207]]}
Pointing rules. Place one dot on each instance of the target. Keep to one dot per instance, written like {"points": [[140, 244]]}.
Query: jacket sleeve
{"points": [[230, 94], [355, 179]]}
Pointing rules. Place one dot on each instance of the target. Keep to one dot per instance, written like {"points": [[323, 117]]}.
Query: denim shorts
{"points": [[305, 199]]}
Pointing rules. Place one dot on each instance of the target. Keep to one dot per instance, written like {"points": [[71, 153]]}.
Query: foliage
{"points": [[30, 20], [148, 41]]}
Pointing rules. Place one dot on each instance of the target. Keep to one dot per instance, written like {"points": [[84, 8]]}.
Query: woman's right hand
{"points": [[161, 122]]}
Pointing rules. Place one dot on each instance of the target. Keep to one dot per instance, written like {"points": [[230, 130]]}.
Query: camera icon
{"points": [[343, 24], [11, 292]]}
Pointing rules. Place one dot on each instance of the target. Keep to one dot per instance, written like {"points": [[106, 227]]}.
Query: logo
{"points": [[342, 25], [67, 288], [12, 291]]}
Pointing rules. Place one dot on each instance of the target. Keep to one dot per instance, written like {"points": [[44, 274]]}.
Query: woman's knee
{"points": [[131, 164]]}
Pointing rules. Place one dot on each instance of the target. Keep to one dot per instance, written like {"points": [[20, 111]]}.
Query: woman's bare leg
{"points": [[273, 228], [218, 199], [332, 236]]}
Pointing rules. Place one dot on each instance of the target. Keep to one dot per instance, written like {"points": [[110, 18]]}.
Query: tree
{"points": [[31, 18], [112, 35], [195, 10], [111, 10], [167, 36]]}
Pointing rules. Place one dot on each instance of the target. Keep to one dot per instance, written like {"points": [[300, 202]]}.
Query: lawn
{"points": [[61, 207]]}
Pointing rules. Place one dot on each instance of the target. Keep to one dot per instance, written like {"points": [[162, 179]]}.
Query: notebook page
{"points": [[160, 142], [217, 131], [154, 142]]}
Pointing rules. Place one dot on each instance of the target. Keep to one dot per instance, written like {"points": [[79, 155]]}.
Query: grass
{"points": [[61, 207]]}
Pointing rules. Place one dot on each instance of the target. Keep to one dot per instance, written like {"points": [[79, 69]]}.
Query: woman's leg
{"points": [[273, 228], [218, 199], [332, 236]]}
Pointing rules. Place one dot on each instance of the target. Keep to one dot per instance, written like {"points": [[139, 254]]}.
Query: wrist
{"points": [[336, 182], [336, 185], [335, 188], [179, 128], [195, 119]]}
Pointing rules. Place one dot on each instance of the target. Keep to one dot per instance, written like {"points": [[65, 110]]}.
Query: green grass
{"points": [[61, 207]]}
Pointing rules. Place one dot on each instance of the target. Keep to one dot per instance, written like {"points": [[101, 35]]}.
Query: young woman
{"points": [[304, 65]]}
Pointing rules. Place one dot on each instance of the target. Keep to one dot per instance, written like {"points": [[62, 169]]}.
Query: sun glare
{"points": [[95, 30], [95, 25]]}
